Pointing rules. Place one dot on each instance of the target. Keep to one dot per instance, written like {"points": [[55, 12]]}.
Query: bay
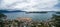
{"points": [[34, 16]]}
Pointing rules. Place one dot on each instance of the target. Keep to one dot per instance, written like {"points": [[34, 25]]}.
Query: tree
{"points": [[2, 17]]}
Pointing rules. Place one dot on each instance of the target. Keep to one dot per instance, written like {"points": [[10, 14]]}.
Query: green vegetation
{"points": [[56, 20], [2, 17]]}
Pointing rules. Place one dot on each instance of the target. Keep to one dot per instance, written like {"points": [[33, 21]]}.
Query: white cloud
{"points": [[29, 5]]}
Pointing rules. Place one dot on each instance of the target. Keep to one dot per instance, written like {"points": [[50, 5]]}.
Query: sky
{"points": [[30, 5]]}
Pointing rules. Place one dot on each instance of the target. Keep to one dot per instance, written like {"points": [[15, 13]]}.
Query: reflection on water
{"points": [[34, 16]]}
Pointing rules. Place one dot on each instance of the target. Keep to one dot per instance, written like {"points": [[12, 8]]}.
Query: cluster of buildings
{"points": [[25, 22]]}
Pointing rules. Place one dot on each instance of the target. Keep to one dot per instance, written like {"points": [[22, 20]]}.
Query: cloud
{"points": [[29, 5], [57, 6]]}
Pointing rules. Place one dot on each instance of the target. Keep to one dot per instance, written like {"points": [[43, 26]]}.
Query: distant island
{"points": [[37, 12]]}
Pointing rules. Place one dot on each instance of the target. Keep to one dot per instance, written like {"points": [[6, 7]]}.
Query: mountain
{"points": [[6, 11]]}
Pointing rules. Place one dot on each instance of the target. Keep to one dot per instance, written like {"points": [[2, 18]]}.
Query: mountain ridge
{"points": [[6, 11]]}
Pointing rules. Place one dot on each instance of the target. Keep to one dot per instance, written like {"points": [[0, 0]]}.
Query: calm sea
{"points": [[34, 16]]}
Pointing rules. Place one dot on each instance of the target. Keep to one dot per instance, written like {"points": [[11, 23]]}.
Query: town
{"points": [[28, 22]]}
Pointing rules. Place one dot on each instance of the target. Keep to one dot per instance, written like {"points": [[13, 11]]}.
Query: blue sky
{"points": [[30, 5]]}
